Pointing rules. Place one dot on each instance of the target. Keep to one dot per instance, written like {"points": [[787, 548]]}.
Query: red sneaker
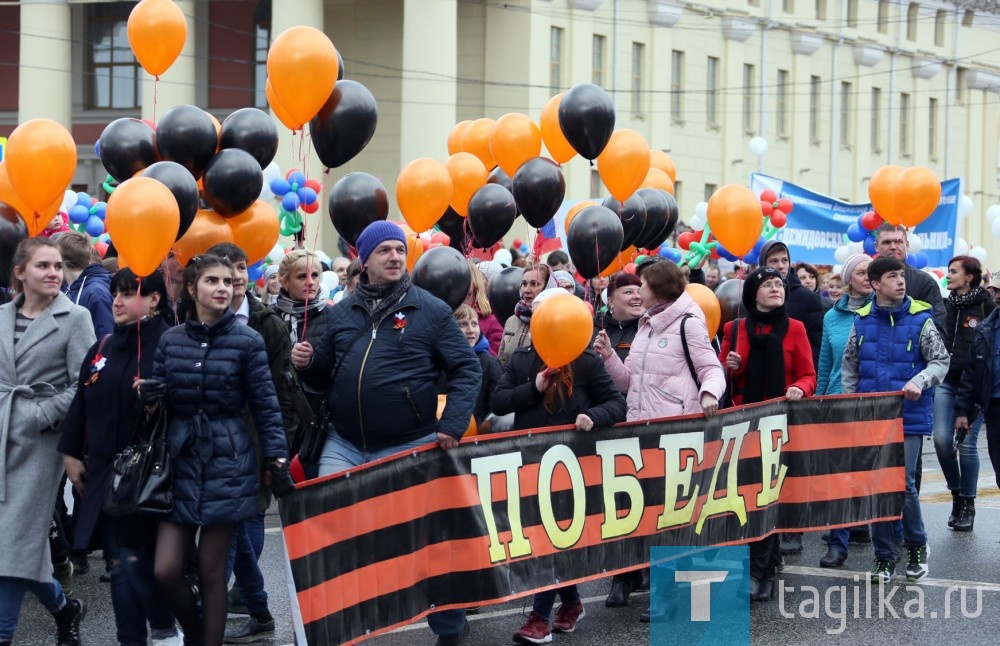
{"points": [[534, 631], [567, 616]]}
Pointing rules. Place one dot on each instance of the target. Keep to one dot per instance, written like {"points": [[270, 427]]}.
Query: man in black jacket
{"points": [[802, 303], [891, 242], [379, 360]]}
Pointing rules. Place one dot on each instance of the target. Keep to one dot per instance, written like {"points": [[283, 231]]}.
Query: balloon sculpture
{"points": [[742, 224]]}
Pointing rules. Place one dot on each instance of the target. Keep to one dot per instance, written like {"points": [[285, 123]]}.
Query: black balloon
{"points": [[444, 272], [730, 294], [356, 200], [497, 176], [251, 130], [12, 231], [187, 135], [340, 66], [587, 119], [345, 124], [595, 239], [232, 181], [184, 187], [661, 217], [504, 291], [538, 189], [491, 215], [455, 227], [632, 213], [126, 147]]}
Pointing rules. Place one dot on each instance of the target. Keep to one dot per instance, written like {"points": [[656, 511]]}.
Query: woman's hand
{"points": [[543, 378], [733, 361], [584, 423], [602, 345], [961, 423], [302, 354], [794, 393], [76, 471], [709, 404]]}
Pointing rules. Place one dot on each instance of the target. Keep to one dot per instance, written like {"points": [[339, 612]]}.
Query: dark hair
{"points": [[75, 249], [234, 253], [812, 271], [622, 279], [885, 227], [22, 256], [126, 281], [970, 266], [557, 257], [192, 273], [354, 269], [665, 279], [883, 265]]}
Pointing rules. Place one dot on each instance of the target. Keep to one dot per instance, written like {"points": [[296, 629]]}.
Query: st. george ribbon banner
{"points": [[510, 514]]}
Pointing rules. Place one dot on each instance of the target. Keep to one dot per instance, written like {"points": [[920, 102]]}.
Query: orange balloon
{"points": [[576, 208], [561, 328], [41, 162], [157, 31], [735, 218], [882, 192], [207, 229], [10, 197], [302, 64], [476, 140], [619, 263], [514, 140], [917, 194], [555, 141], [256, 230], [278, 109], [456, 136], [623, 163], [656, 178], [709, 304], [423, 191], [36, 222], [143, 219], [468, 175], [414, 246], [661, 160]]}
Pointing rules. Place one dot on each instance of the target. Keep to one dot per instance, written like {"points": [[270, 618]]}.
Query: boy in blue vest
{"points": [[895, 346]]}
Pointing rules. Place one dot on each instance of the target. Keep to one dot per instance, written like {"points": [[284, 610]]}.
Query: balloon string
{"points": [[305, 311], [156, 90], [138, 330]]}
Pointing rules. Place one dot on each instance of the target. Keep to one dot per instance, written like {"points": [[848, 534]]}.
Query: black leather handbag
{"points": [[141, 482]]}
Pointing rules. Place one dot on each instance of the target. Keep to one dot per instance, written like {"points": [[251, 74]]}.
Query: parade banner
{"points": [[504, 516], [817, 224]]}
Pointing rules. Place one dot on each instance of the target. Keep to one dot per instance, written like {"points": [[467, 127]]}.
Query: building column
{"points": [[46, 86], [177, 85]]}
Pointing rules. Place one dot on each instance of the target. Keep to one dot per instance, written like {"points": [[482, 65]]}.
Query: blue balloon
{"points": [[256, 271], [297, 178], [752, 257], [911, 259], [105, 238], [758, 246], [290, 202], [280, 186], [95, 226], [78, 214], [920, 260], [306, 195], [84, 200], [97, 148], [524, 248], [869, 243], [855, 233], [101, 209]]}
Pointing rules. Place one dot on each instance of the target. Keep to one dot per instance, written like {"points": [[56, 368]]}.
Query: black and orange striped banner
{"points": [[507, 515]]}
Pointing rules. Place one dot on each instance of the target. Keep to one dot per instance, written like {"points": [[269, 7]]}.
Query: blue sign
{"points": [[817, 224], [700, 596]]}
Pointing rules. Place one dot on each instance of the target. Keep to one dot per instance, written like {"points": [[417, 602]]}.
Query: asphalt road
{"points": [[811, 609]]}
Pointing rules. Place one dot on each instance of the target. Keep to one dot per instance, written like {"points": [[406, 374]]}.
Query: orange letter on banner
{"points": [[608, 451], [770, 458], [677, 477], [556, 455], [733, 502], [484, 468]]}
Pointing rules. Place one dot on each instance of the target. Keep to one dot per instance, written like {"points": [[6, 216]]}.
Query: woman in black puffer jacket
{"points": [[967, 305]]}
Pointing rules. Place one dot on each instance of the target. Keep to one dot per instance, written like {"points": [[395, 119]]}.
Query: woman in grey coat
{"points": [[43, 339]]}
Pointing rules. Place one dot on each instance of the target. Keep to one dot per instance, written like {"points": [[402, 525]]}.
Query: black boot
{"points": [[834, 558], [956, 507], [621, 589], [68, 620], [761, 589], [966, 515], [791, 543], [658, 611]]}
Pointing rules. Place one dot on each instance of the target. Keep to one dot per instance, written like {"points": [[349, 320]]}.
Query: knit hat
{"points": [[270, 271], [375, 234], [752, 284], [851, 264], [563, 278]]}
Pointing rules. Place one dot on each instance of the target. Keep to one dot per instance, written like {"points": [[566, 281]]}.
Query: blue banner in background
{"points": [[817, 224]]}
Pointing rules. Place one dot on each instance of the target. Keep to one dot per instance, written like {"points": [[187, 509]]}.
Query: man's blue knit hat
{"points": [[375, 234]]}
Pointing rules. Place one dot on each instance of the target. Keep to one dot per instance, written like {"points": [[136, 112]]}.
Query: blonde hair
{"points": [[297, 259], [479, 296], [465, 313]]}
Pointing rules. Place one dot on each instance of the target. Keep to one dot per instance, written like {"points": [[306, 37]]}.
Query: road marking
{"points": [[850, 574]]}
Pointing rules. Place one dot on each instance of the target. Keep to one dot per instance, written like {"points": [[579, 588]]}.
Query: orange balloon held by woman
{"points": [[468, 175], [477, 141], [735, 218], [457, 135], [207, 229], [302, 65], [656, 178], [561, 328], [709, 304], [41, 162], [157, 31], [423, 191], [143, 219], [882, 192], [256, 230], [555, 141], [514, 140], [917, 194], [576, 208], [623, 163], [663, 161], [279, 110]]}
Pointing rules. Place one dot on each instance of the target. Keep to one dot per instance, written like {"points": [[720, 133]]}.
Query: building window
{"points": [[595, 185], [846, 97], [820, 9], [883, 16], [262, 41], [968, 18], [788, 6], [677, 198], [748, 78], [904, 124], [638, 53], [712, 92], [115, 77], [710, 190], [814, 89], [781, 103], [876, 131], [555, 60], [597, 74], [677, 85], [960, 81], [940, 20], [912, 13], [932, 128], [852, 13]]}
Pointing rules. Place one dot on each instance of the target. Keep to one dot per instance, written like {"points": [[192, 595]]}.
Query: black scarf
{"points": [[765, 372], [294, 312], [966, 300], [380, 299]]}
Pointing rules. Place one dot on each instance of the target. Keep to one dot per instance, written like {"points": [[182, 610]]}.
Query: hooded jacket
{"points": [[976, 389], [837, 325], [960, 328], [802, 303], [92, 290]]}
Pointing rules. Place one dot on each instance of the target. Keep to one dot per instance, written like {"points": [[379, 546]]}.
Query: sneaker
{"points": [[916, 562], [177, 639], [68, 620], [534, 631], [251, 631], [567, 617], [883, 571]]}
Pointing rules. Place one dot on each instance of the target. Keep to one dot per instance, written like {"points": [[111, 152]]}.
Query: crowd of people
{"points": [[246, 380]]}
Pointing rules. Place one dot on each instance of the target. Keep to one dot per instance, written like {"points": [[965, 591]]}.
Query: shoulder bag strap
{"points": [[687, 352]]}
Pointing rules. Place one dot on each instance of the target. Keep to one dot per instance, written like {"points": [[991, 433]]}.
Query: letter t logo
{"points": [[701, 583]]}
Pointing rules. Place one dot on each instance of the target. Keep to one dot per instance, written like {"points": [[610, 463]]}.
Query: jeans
{"points": [[544, 601], [340, 455], [248, 543], [962, 474], [885, 535], [12, 591]]}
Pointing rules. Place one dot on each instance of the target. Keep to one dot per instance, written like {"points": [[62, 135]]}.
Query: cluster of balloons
{"points": [[293, 191], [86, 213], [733, 224], [39, 163], [904, 196]]}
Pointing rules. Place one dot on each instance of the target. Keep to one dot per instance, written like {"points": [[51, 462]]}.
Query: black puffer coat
{"points": [[212, 373], [620, 333], [959, 330]]}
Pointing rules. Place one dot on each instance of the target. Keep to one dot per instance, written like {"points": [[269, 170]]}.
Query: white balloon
{"points": [[544, 295], [842, 253], [979, 253], [916, 244], [993, 213], [701, 209], [996, 228], [758, 146], [961, 247], [855, 247], [272, 172], [339, 296], [965, 206], [276, 254], [504, 258], [697, 222], [328, 282], [69, 199]]}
